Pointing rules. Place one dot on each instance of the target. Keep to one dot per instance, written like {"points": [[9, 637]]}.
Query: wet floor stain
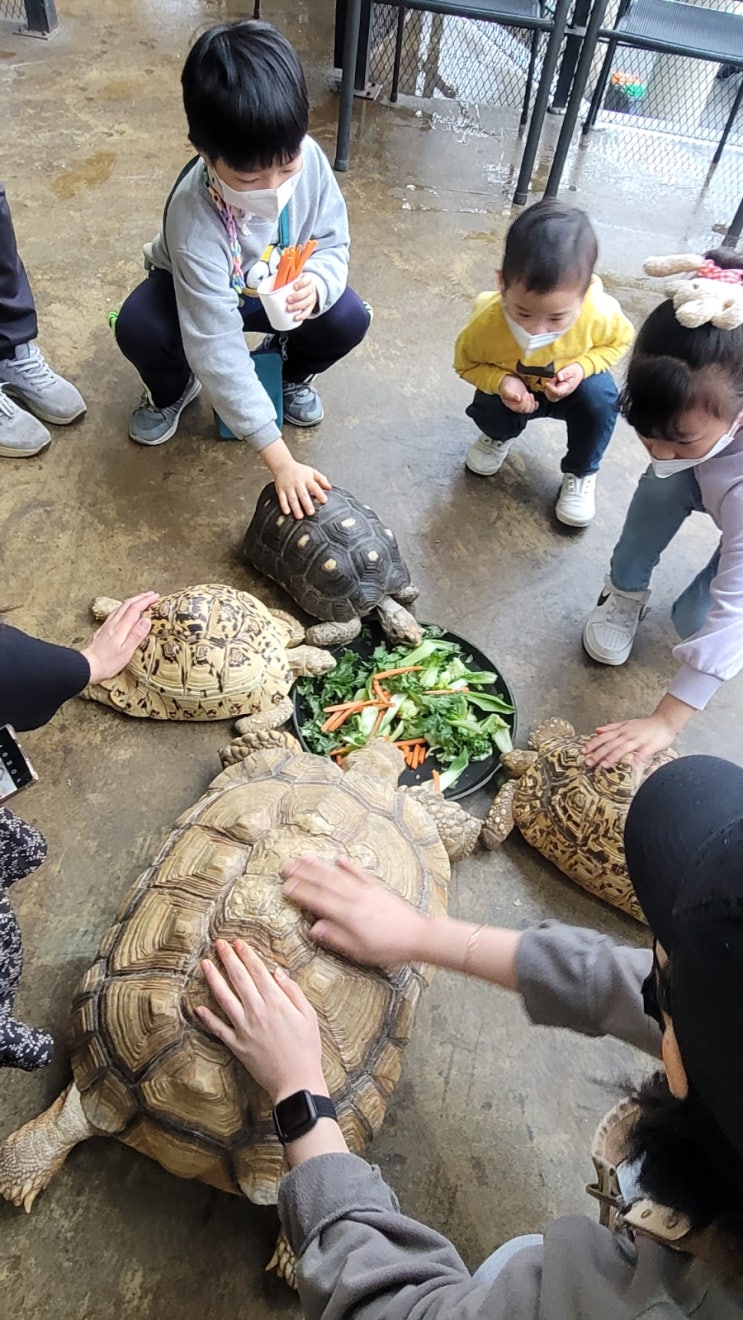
{"points": [[89, 173]]}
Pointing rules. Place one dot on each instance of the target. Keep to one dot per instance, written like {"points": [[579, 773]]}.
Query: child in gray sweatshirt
{"points": [[258, 185], [684, 397]]}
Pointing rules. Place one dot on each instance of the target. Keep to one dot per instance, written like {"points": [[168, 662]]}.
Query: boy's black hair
{"points": [[245, 96], [687, 1163], [550, 246], [674, 369]]}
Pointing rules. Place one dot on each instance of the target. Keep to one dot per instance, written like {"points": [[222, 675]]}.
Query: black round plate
{"points": [[478, 773]]}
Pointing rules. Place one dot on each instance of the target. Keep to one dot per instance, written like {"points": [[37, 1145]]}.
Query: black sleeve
{"points": [[35, 678]]}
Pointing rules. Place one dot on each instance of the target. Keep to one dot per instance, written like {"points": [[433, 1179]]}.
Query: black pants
{"points": [[149, 335], [17, 312]]}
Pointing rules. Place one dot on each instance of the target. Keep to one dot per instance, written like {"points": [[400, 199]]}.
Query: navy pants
{"points": [[17, 312], [149, 335], [590, 414]]}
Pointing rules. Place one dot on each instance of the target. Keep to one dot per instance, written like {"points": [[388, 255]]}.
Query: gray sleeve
{"points": [[214, 343], [569, 977], [360, 1257], [324, 218]]}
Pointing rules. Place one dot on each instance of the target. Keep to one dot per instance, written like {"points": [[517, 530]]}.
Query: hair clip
{"points": [[705, 293]]}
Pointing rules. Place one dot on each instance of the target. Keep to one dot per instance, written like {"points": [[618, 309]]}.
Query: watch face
{"points": [[295, 1115]]}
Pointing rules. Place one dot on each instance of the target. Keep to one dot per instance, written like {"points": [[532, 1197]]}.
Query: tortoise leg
{"points": [[398, 623], [458, 830], [283, 1261], [292, 631], [103, 606], [408, 594], [333, 633], [305, 660], [499, 821], [260, 731], [30, 1157]]}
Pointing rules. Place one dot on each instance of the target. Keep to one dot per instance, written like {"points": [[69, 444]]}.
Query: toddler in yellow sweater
{"points": [[542, 347]]}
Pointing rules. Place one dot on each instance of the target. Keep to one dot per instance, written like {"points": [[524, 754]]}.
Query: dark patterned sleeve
{"points": [[36, 678]]}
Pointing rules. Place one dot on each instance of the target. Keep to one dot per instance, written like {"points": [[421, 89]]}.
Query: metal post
{"points": [[572, 110], [345, 108], [540, 102], [571, 57], [734, 232], [41, 16], [731, 120]]}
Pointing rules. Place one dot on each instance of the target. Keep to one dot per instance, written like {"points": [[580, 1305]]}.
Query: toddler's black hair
{"points": [[674, 369], [245, 96], [550, 246]]}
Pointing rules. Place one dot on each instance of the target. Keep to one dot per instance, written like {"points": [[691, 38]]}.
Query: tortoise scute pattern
{"points": [[212, 653], [575, 816], [146, 1069], [337, 565]]}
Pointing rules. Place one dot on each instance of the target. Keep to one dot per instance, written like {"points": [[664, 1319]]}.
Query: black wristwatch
{"points": [[298, 1114]]}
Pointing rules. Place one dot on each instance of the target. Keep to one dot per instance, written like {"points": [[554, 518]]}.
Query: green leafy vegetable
{"points": [[440, 701]]}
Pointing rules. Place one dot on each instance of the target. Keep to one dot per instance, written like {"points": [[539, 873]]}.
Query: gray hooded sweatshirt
{"points": [[195, 248], [360, 1257]]}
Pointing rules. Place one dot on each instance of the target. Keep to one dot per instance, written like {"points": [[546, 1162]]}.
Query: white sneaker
{"points": [[576, 503], [486, 456], [21, 435], [610, 629]]}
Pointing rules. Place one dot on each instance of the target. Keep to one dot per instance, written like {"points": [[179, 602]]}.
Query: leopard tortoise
{"points": [[145, 1070], [213, 653], [574, 816], [338, 565]]}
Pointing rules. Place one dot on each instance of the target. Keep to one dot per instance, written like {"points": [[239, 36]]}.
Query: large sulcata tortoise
{"points": [[144, 1068], [338, 565], [572, 815], [212, 653]]}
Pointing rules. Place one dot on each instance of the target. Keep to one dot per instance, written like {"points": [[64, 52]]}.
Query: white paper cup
{"points": [[274, 303]]}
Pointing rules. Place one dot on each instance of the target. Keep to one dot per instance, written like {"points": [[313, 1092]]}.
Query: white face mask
{"points": [[530, 343], [261, 203], [667, 467]]}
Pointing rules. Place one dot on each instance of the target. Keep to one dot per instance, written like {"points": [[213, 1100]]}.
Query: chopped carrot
{"points": [[418, 754], [377, 723], [349, 705], [404, 669], [436, 777], [335, 721], [409, 742]]}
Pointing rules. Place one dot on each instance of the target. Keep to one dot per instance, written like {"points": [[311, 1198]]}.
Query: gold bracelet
{"points": [[472, 944]]}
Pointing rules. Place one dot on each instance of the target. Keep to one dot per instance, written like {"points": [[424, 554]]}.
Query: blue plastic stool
{"points": [[268, 369]]}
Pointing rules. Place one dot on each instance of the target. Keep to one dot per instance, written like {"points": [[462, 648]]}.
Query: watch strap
{"points": [[316, 1107]]}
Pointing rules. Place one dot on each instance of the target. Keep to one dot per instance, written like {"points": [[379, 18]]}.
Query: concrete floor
{"points": [[489, 1131]]}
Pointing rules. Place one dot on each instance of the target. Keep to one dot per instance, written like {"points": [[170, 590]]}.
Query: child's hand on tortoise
{"points": [[355, 914], [114, 644], [299, 486], [302, 300], [635, 740], [516, 396], [271, 1026], [564, 382]]}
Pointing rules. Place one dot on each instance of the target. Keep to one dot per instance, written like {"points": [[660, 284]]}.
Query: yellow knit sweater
{"points": [[486, 351]]}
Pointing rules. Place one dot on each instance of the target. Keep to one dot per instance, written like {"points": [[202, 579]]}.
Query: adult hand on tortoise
{"points": [[355, 914], [114, 644], [634, 740], [271, 1028]]}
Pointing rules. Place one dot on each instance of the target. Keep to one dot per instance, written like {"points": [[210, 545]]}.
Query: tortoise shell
{"points": [[212, 653], [575, 816], [337, 565], [143, 1063]]}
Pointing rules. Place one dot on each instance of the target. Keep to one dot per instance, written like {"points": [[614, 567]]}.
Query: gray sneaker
{"points": [[153, 426], [302, 404], [21, 436], [26, 376]]}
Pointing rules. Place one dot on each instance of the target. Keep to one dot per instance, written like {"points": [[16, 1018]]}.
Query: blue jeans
{"points": [[148, 333], [590, 413], [659, 507], [492, 1267]]}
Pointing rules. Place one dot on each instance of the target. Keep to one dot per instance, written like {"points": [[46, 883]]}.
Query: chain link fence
{"points": [[34, 16], [671, 94], [461, 59]]}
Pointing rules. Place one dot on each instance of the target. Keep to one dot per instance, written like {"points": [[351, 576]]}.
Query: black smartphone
{"points": [[16, 771]]}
